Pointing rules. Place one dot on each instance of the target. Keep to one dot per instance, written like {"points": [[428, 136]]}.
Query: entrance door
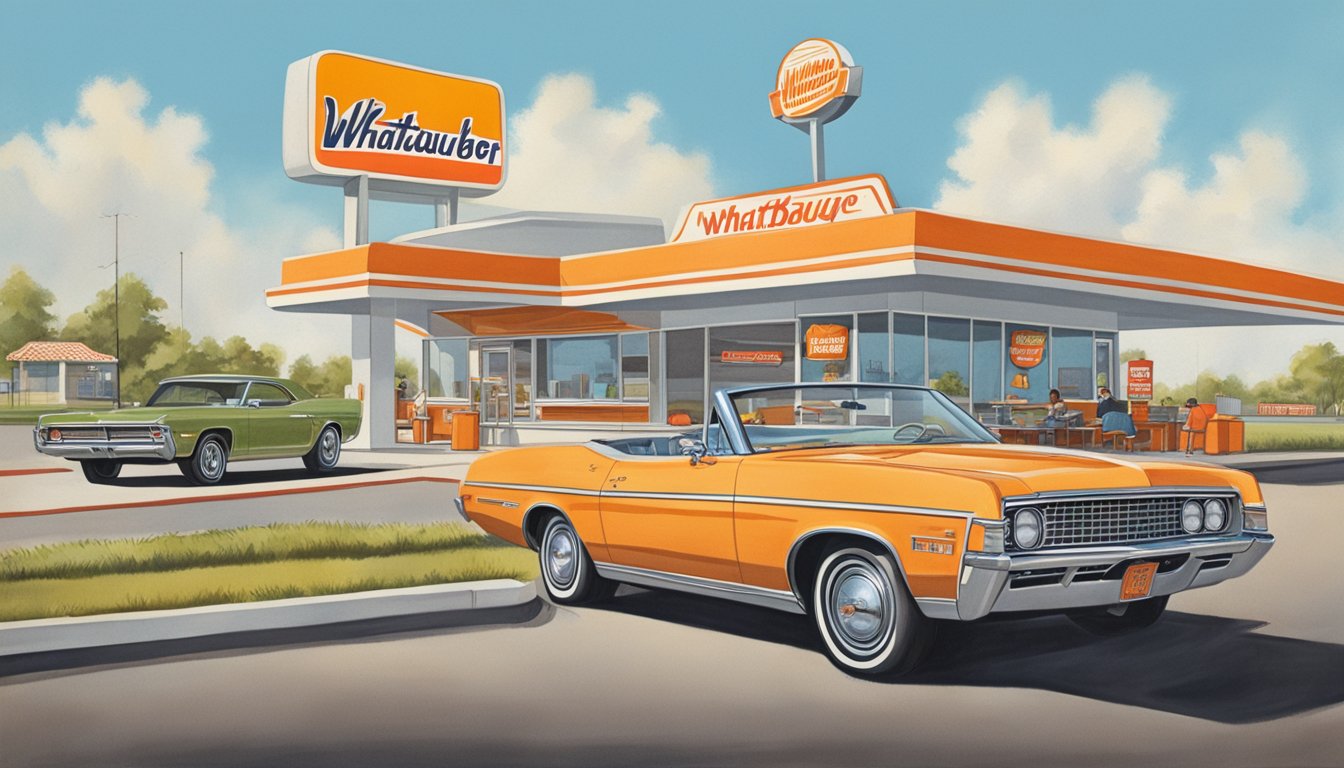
{"points": [[496, 387], [1105, 366]]}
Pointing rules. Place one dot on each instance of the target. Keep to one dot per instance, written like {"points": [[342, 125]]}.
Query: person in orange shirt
{"points": [[1195, 424]]}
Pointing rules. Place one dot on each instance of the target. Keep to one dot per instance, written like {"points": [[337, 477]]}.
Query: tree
{"points": [[405, 366], [1134, 353], [326, 380], [141, 328], [1316, 371], [952, 384], [23, 313]]}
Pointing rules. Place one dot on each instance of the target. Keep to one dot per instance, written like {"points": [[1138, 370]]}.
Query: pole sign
{"points": [[1139, 379], [411, 131], [817, 80], [857, 197]]}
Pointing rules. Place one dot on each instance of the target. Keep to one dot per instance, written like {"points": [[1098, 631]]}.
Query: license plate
{"points": [[1138, 581]]}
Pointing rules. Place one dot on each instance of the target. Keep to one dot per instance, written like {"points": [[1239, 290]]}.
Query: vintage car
{"points": [[202, 423], [876, 509]]}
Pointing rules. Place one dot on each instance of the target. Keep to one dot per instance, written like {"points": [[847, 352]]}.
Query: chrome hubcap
{"points": [[859, 608], [329, 447], [212, 459], [560, 557]]}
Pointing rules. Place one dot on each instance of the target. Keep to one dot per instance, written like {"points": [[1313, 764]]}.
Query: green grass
{"points": [[268, 563], [1278, 436]]}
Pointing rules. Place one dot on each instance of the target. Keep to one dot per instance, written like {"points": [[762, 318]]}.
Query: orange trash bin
{"points": [[466, 431]]}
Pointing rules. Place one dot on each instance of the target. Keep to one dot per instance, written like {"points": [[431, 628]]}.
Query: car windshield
{"points": [[812, 417], [184, 393]]}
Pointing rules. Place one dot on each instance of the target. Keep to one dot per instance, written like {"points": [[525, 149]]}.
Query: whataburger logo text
{"points": [[844, 199], [359, 129]]}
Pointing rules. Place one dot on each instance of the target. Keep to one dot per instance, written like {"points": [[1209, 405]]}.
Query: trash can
{"points": [[466, 431]]}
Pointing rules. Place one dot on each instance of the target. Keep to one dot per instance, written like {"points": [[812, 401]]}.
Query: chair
{"points": [[1197, 423], [1117, 427]]}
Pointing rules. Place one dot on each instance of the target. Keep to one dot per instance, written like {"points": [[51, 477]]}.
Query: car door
{"points": [[663, 513], [277, 426]]}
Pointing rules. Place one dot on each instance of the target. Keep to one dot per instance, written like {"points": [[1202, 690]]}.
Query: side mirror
{"points": [[694, 449]]}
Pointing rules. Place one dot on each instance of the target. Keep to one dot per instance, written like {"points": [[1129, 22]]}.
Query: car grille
{"points": [[1078, 522]]}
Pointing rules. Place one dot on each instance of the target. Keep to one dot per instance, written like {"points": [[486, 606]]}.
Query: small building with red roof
{"points": [[61, 372]]}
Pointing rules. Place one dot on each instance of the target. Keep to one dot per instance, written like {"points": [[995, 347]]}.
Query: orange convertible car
{"points": [[876, 509]]}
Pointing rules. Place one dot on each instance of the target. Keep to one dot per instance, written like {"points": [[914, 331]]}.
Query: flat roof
{"points": [[909, 249]]}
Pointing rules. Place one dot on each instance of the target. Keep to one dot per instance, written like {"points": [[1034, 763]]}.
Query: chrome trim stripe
{"points": [[498, 502], [670, 496], [851, 505], [746, 593], [1118, 493], [523, 487]]}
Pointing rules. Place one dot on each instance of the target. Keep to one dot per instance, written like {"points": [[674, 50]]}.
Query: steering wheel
{"points": [[922, 427]]}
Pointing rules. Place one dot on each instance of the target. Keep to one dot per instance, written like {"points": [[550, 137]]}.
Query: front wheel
{"points": [[1121, 619], [325, 452], [566, 569], [100, 471], [866, 616], [210, 461]]}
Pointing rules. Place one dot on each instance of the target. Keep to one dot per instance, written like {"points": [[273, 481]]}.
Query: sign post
{"points": [[816, 83]]}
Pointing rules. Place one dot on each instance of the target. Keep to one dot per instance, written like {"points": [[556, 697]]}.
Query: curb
{"points": [[65, 634]]}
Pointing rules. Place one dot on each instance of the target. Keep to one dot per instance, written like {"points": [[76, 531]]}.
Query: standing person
{"points": [[402, 387], [1107, 404]]}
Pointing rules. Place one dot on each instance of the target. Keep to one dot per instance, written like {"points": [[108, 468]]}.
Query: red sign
{"points": [[825, 202], [752, 356], [1285, 409], [1027, 348], [826, 342], [1139, 379]]}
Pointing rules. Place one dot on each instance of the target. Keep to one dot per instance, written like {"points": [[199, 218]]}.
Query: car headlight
{"points": [[1028, 528], [53, 434], [1215, 515], [1192, 516]]}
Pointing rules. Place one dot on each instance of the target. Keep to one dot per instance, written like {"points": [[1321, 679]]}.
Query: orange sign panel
{"points": [[826, 342], [752, 356], [1027, 348], [813, 74], [1139, 379], [856, 197], [1285, 409], [348, 115]]}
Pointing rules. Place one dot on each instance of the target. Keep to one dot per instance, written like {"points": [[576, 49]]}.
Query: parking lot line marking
{"points": [[232, 496], [42, 471]]}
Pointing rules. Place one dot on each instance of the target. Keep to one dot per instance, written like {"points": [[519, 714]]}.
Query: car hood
{"points": [[1020, 470]]}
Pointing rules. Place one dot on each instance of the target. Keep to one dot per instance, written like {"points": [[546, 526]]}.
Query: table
{"points": [[1087, 436]]}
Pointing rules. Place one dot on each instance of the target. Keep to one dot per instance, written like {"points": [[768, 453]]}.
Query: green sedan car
{"points": [[202, 423]]}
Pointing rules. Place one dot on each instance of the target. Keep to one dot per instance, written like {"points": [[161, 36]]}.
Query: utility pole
{"points": [[181, 292], [116, 292]]}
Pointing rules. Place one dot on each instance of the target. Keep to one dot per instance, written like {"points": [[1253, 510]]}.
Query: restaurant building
{"points": [[558, 326]]}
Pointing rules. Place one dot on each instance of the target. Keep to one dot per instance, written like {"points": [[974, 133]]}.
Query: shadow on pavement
{"points": [[1200, 666], [1304, 473], [237, 478], [535, 611]]}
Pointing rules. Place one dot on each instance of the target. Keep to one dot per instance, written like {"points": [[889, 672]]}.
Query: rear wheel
{"points": [[1122, 618], [210, 461], [866, 616], [566, 569], [100, 470], [326, 451]]}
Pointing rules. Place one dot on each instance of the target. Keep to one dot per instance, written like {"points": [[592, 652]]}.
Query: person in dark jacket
{"points": [[1107, 404]]}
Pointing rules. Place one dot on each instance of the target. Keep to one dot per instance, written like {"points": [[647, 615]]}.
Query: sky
{"points": [[1208, 127]]}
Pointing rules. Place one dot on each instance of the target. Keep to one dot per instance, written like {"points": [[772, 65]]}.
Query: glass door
{"points": [[496, 387], [1105, 365]]}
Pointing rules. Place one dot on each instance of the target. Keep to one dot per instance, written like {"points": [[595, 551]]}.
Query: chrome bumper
{"points": [[461, 508], [79, 450], [1048, 581]]}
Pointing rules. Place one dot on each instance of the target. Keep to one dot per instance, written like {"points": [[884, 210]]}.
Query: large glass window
{"points": [[522, 379], [986, 367], [685, 376], [446, 368], [1071, 361], [577, 368], [907, 349], [825, 345], [950, 357], [635, 366], [1026, 371], [874, 347], [741, 355]]}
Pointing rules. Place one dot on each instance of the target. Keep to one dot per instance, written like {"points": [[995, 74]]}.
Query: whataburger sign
{"points": [[408, 129], [857, 197]]}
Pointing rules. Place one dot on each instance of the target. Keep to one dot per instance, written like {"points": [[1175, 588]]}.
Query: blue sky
{"points": [[1227, 68]]}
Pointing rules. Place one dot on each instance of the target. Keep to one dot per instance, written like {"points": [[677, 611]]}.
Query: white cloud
{"points": [[569, 154], [1108, 179], [114, 156]]}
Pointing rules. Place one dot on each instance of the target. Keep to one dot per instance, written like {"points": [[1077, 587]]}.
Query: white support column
{"points": [[357, 211], [372, 354]]}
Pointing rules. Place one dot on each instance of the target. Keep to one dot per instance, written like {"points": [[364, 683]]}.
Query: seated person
{"points": [[1107, 404], [1196, 423], [1055, 416]]}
